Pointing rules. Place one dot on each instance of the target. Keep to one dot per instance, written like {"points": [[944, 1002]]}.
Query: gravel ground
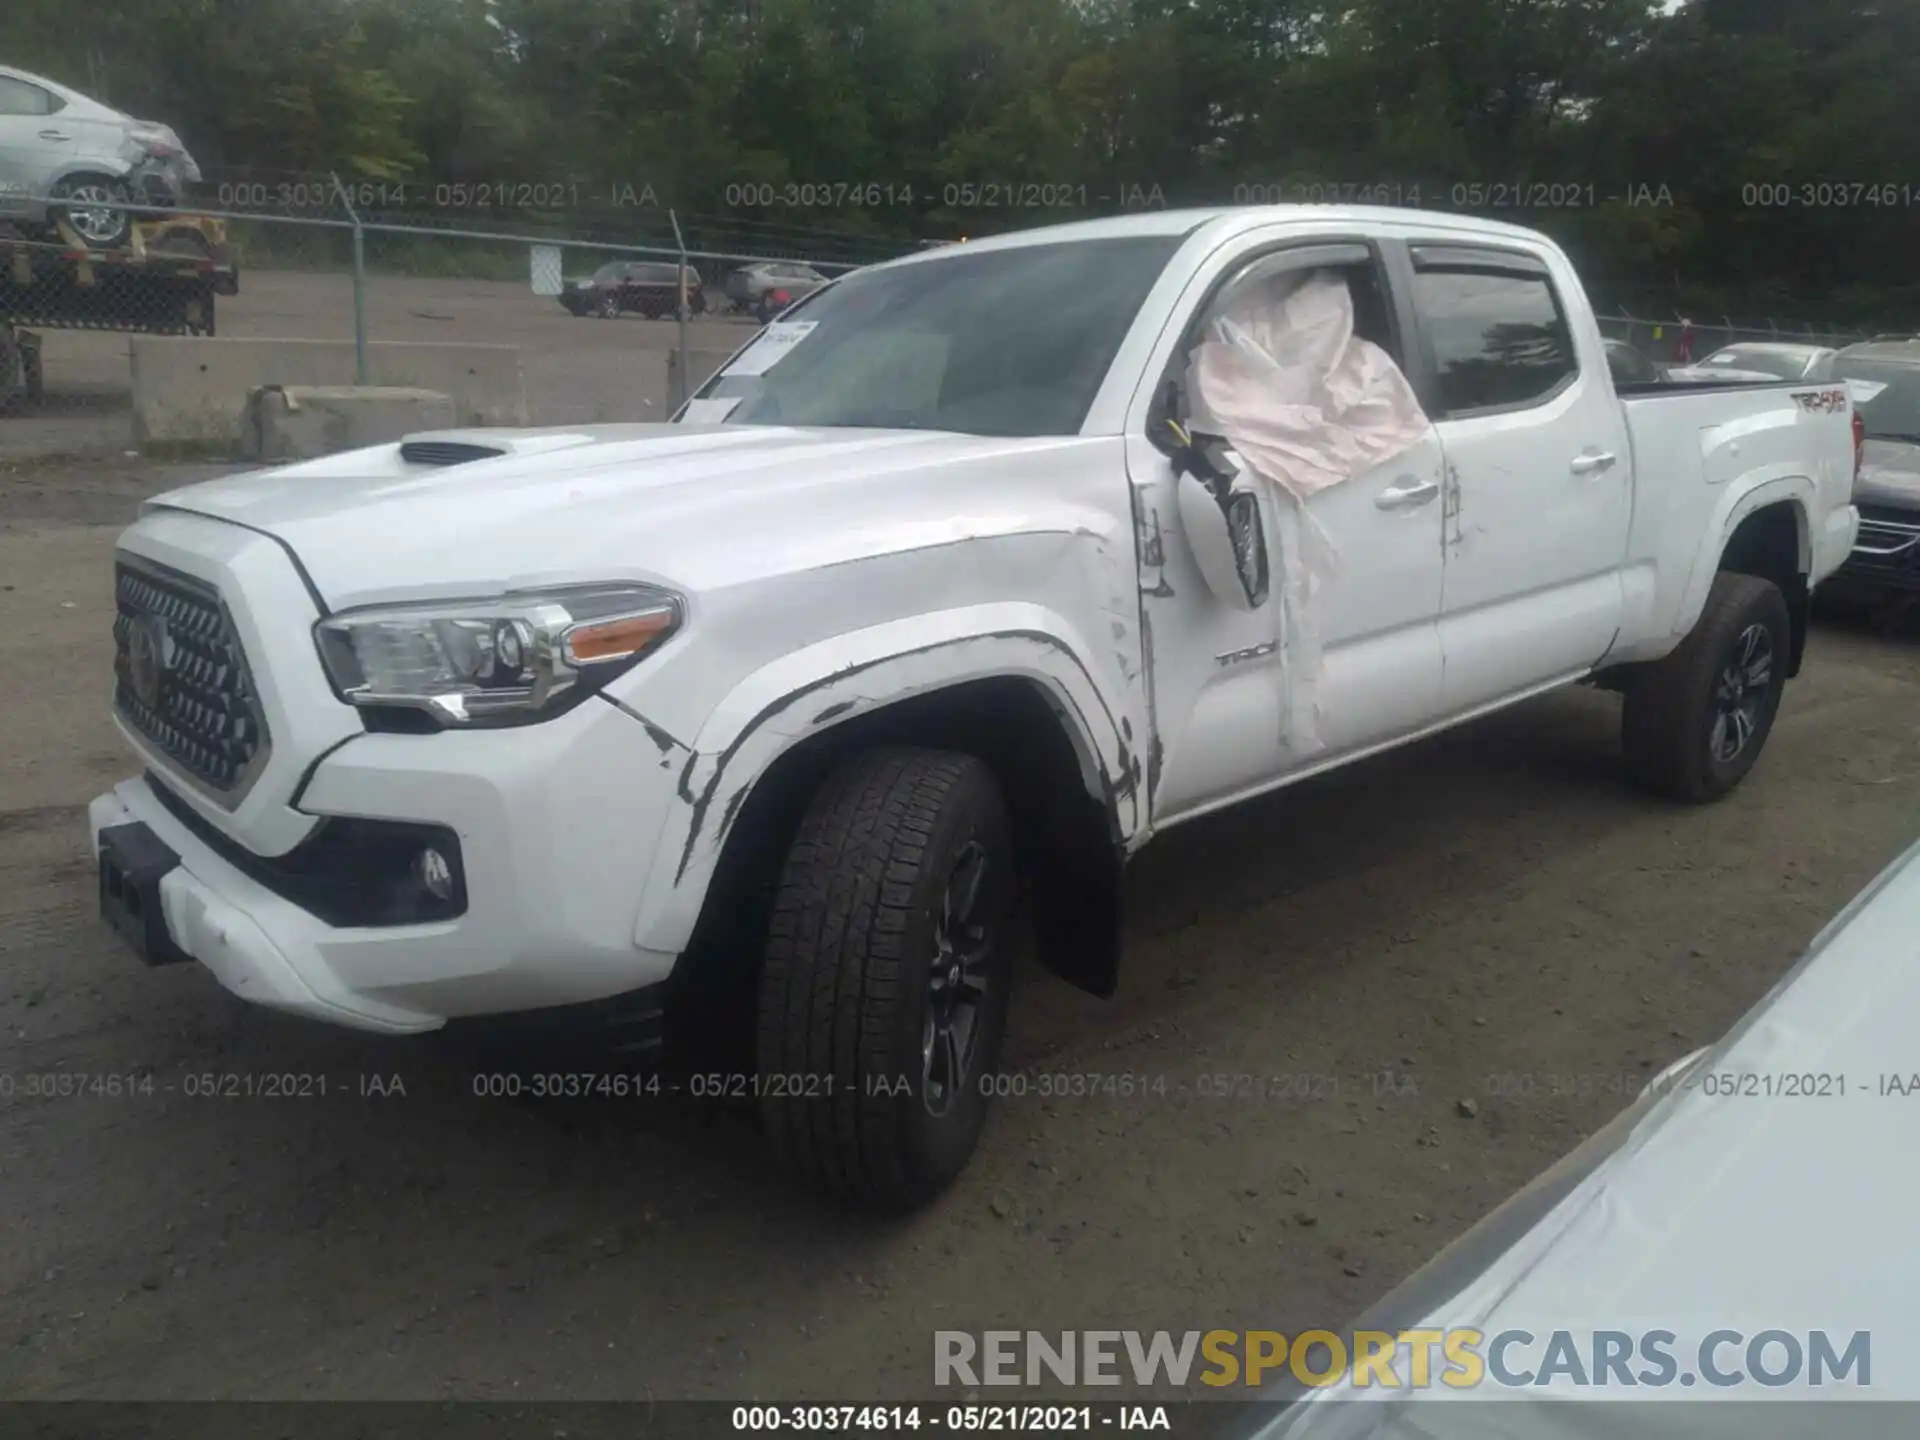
{"points": [[1493, 915]]}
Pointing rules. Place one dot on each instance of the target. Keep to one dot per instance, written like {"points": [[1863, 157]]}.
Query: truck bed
{"points": [[1689, 441]]}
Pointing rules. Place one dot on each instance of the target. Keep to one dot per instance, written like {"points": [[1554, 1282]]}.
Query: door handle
{"points": [[1407, 495], [55, 135], [1593, 464]]}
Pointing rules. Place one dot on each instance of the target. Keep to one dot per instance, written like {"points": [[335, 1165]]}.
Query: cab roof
{"points": [[1227, 221]]}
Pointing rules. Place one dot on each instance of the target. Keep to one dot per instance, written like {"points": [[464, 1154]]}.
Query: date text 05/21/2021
{"points": [[958, 1419]]}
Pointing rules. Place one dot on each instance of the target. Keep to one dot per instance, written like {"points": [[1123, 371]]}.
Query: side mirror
{"points": [[1220, 514]]}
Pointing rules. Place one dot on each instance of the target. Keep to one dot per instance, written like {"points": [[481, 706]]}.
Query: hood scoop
{"points": [[446, 452], [437, 449]]}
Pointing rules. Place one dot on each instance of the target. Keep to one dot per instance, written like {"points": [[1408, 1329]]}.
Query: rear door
{"points": [[1539, 473]]}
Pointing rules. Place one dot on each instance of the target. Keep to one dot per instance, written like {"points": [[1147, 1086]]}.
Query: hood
{"points": [[1889, 475], [691, 506]]}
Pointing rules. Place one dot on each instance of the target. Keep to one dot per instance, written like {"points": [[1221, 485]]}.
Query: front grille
{"points": [[1885, 539], [181, 680]]}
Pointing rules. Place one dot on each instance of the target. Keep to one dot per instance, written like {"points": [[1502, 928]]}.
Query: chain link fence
{"points": [[555, 314], [556, 306], [1682, 339]]}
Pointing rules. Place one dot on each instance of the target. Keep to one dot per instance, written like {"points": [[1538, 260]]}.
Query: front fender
{"points": [[828, 683]]}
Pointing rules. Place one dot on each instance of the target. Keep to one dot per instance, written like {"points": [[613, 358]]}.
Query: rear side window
{"points": [[17, 97], [1499, 340]]}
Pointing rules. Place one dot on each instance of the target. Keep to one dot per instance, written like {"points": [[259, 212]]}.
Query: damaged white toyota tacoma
{"points": [[957, 584]]}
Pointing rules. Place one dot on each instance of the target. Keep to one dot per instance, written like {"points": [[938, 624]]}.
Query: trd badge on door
{"points": [[1252, 652]]}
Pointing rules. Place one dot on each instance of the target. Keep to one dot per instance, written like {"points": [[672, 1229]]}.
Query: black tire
{"points": [[99, 192], [846, 988], [1679, 724]]}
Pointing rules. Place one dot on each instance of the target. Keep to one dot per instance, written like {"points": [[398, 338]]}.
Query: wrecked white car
{"points": [[950, 591]]}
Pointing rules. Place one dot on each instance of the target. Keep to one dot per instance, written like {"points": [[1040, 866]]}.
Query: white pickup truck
{"points": [[940, 600]]}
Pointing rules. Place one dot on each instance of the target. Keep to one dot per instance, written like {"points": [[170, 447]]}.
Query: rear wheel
{"points": [[883, 994], [90, 205], [1695, 722]]}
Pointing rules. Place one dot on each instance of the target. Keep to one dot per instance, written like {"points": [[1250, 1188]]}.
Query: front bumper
{"points": [[557, 826]]}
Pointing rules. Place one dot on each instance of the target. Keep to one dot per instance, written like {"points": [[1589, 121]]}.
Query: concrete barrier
{"points": [[191, 393], [304, 422]]}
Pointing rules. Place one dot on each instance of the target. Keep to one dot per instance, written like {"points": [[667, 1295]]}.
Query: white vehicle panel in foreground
{"points": [[1718, 1203]]}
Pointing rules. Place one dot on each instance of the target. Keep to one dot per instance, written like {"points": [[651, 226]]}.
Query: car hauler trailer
{"points": [[164, 281]]}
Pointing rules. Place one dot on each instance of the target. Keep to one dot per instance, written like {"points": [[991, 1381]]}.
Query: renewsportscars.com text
{"points": [[1459, 1359]]}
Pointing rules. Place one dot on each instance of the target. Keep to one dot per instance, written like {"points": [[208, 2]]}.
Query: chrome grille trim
{"points": [[1884, 539], [181, 680]]}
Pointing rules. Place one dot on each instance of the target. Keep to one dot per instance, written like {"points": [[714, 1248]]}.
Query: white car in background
{"points": [[66, 157], [1774, 359]]}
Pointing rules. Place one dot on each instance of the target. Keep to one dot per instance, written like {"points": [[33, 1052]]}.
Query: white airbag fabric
{"points": [[1307, 405]]}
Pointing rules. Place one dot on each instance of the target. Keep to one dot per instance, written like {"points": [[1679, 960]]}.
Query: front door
{"points": [[1225, 680]]}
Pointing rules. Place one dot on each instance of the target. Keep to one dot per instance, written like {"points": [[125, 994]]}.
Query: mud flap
{"points": [[1076, 904]]}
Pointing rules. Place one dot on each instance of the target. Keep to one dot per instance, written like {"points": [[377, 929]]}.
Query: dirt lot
{"points": [[574, 367], [1495, 903]]}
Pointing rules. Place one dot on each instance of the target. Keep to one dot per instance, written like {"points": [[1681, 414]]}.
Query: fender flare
{"points": [[113, 169], [1797, 490], [813, 689]]}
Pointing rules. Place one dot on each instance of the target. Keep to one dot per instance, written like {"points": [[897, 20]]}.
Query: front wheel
{"points": [[883, 992], [1695, 722]]}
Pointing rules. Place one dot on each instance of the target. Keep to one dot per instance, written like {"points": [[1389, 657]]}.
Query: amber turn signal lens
{"points": [[602, 640]]}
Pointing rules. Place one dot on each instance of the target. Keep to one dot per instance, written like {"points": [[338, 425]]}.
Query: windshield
{"points": [[612, 270], [1894, 413], [987, 342], [1786, 366]]}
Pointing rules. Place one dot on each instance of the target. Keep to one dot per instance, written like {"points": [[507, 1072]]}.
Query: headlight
{"points": [[524, 656]]}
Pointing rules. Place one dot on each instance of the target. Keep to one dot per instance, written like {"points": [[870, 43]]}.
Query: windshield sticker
{"points": [[772, 347], [709, 412]]}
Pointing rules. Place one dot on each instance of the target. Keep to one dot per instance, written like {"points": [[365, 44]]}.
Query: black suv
{"points": [[619, 286], [1886, 557]]}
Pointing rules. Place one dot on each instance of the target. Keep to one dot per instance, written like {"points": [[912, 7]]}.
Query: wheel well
{"points": [[89, 171], [1769, 543], [1066, 839]]}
